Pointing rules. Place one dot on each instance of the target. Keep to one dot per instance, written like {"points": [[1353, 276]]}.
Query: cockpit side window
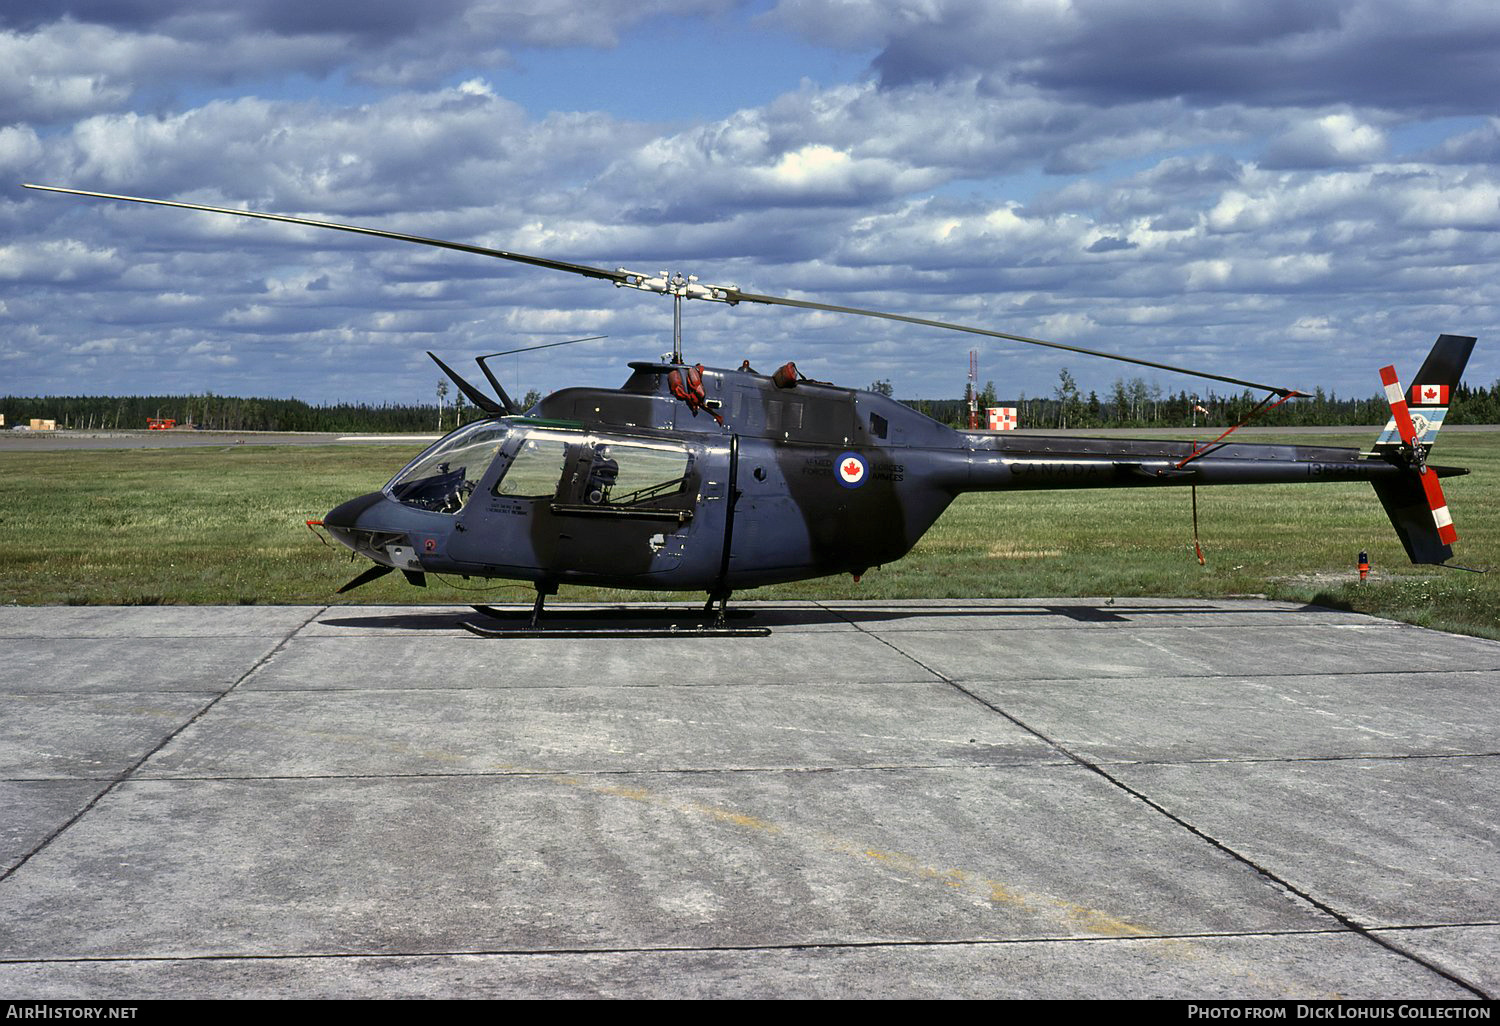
{"points": [[535, 469]]}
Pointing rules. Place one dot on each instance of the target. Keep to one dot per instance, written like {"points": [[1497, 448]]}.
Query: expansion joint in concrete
{"points": [[131, 770], [1345, 920]]}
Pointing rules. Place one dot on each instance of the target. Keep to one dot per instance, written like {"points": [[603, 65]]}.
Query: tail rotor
{"points": [[1414, 500]]}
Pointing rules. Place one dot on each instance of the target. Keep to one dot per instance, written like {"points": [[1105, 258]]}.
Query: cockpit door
{"points": [[625, 507]]}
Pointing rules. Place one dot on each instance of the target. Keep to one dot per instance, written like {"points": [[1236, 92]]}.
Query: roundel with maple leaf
{"points": [[851, 470]]}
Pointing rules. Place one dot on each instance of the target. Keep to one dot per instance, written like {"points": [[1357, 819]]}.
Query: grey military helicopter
{"points": [[713, 480]]}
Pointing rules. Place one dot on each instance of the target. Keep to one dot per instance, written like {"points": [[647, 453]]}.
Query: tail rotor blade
{"points": [[1441, 518], [1396, 396]]}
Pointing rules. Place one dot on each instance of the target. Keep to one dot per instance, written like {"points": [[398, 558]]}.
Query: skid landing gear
{"points": [[685, 623]]}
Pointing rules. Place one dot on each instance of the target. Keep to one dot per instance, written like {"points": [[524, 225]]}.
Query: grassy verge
{"points": [[225, 525]]}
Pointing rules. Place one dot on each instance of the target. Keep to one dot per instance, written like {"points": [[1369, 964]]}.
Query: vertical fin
{"points": [[1432, 390]]}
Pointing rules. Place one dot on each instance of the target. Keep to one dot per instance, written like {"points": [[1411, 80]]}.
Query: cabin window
{"points": [[645, 473], [585, 469], [783, 416]]}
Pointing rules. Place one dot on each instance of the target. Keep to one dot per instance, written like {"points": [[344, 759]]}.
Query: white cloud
{"points": [[1410, 55], [64, 260], [1332, 139], [1012, 187], [1479, 145], [101, 58], [1438, 202], [67, 69]]}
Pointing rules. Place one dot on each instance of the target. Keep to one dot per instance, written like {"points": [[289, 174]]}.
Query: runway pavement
{"points": [[1006, 798]]}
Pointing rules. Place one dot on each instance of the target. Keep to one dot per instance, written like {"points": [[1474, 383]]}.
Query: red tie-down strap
{"points": [[1264, 406], [687, 385]]}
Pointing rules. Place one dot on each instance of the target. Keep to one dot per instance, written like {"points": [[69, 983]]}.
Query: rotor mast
{"points": [[679, 286], [676, 328]]}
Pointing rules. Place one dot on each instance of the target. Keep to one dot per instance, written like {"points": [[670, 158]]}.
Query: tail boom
{"points": [[1405, 483]]}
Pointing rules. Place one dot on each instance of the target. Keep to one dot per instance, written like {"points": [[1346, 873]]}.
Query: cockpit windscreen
{"points": [[443, 477]]}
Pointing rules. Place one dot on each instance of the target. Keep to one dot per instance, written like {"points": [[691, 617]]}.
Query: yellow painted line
{"points": [[1072, 915], [998, 894]]}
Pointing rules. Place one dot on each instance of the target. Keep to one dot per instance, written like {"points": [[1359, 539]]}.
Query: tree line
{"points": [[232, 413], [215, 413], [1128, 404], [1135, 403]]}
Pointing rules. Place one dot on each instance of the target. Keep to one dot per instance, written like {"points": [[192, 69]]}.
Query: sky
{"points": [[1295, 192]]}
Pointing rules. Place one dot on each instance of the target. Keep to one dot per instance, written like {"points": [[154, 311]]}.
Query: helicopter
{"points": [[715, 480]]}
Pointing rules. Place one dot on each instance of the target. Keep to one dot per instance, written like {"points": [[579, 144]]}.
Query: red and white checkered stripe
{"points": [[1002, 418]]}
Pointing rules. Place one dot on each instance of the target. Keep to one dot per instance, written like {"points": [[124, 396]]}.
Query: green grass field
{"points": [[226, 525]]}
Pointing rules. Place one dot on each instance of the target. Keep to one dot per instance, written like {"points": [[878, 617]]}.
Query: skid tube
{"points": [[689, 623], [674, 631]]}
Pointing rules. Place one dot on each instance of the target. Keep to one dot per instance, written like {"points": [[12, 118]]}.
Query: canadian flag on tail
{"points": [[1429, 395]]}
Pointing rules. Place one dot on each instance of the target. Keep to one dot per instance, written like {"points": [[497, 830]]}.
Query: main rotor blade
{"points": [[618, 277], [805, 304], [684, 288]]}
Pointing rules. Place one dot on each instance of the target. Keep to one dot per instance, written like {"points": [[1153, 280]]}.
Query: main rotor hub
{"points": [[683, 286]]}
